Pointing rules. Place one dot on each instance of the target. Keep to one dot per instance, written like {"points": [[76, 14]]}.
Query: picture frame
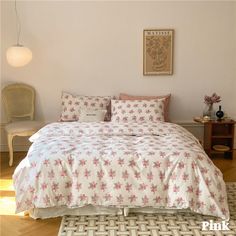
{"points": [[158, 51]]}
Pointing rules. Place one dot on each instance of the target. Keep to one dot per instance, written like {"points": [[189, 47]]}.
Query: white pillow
{"points": [[91, 115], [137, 110]]}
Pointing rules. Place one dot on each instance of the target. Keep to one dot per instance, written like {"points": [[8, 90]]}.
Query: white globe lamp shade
{"points": [[18, 55]]}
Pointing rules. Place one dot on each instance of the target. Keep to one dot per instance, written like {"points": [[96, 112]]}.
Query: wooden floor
{"points": [[14, 225]]}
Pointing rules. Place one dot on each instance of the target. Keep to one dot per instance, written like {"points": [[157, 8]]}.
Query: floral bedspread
{"points": [[125, 165]]}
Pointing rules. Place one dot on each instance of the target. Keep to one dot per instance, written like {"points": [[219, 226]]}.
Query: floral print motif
{"points": [[166, 98], [119, 164], [137, 110], [71, 105]]}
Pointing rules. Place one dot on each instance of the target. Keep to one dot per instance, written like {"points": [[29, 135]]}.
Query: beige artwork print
{"points": [[157, 52]]}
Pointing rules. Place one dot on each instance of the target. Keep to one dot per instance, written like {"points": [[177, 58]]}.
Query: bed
{"points": [[115, 168]]}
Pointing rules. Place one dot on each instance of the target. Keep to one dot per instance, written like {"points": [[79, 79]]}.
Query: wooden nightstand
{"points": [[218, 133]]}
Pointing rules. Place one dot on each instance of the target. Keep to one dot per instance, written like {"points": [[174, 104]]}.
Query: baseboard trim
{"points": [[17, 148], [189, 123]]}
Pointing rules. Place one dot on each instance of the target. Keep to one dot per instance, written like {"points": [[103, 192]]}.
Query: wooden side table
{"points": [[218, 133]]}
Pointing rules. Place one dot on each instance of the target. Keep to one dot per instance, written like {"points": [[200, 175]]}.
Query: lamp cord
{"points": [[18, 24]]}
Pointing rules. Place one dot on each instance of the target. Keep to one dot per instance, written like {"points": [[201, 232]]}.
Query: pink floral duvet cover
{"points": [[125, 165]]}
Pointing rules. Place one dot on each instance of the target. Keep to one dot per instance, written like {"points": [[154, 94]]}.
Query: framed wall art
{"points": [[158, 51]]}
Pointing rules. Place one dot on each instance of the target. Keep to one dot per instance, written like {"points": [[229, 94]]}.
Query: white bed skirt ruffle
{"points": [[50, 212]]}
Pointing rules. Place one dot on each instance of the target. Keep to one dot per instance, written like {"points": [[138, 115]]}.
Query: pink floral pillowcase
{"points": [[137, 110], [124, 96], [72, 104]]}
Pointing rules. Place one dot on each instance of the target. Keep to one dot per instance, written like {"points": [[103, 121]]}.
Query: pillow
{"points": [[137, 110], [166, 98], [91, 115], [72, 104]]}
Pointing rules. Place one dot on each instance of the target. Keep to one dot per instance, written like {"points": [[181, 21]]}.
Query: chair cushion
{"points": [[23, 126]]}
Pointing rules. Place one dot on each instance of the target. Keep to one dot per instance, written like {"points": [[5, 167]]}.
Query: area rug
{"points": [[185, 224]]}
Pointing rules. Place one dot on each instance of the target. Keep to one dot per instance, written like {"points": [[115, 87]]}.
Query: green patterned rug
{"points": [[185, 224]]}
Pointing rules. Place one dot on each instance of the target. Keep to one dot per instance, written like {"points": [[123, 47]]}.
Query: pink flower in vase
{"points": [[209, 101]]}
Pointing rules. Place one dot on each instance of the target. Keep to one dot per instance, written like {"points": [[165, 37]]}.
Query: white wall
{"points": [[234, 92], [96, 48]]}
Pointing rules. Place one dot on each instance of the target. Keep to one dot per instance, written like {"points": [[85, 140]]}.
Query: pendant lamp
{"points": [[18, 55]]}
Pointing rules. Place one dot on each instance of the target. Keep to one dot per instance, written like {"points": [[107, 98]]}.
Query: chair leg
{"points": [[9, 140]]}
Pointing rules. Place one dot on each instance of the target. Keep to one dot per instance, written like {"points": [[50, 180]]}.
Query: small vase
{"points": [[209, 111], [219, 113]]}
